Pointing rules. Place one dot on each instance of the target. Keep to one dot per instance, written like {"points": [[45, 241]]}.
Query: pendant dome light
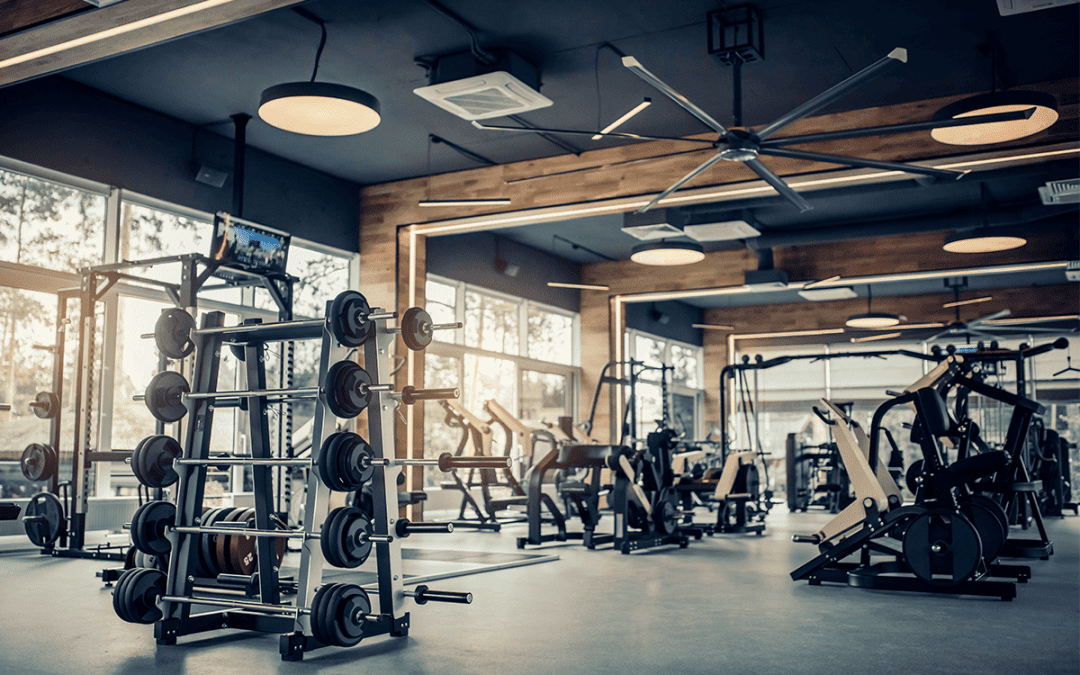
{"points": [[319, 108], [667, 253], [871, 319], [985, 239], [1044, 107]]}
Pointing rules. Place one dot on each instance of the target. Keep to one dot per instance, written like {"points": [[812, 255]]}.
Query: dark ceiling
{"points": [[374, 45], [809, 46]]}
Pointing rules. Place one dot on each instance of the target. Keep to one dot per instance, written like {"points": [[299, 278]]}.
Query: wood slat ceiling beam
{"points": [[610, 177], [98, 34]]}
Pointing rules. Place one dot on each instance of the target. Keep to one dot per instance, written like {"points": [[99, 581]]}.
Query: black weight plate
{"points": [[119, 606], [913, 478], [351, 602], [994, 508], [356, 547], [942, 547], [141, 593], [986, 523], [333, 547], [328, 462], [148, 527], [635, 515], [348, 319], [317, 609], [172, 333], [45, 532], [326, 617], [152, 461], [129, 557], [330, 618], [416, 329], [164, 396], [48, 405], [37, 462], [207, 566], [354, 452], [342, 389], [666, 511], [238, 351]]}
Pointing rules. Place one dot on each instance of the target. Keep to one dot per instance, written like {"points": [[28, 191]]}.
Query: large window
{"points": [[681, 367], [515, 352], [52, 225]]}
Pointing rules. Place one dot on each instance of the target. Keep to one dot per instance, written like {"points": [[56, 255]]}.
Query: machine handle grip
{"points": [[805, 538], [821, 415]]}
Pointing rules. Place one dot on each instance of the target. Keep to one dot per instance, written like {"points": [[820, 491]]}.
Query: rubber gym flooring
{"points": [[724, 605]]}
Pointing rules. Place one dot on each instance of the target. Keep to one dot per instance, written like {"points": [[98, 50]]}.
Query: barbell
{"points": [[347, 391]]}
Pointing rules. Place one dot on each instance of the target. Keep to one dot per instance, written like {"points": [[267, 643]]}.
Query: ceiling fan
{"points": [[745, 145]]}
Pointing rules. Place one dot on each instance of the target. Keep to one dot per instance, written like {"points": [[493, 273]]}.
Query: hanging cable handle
{"points": [[821, 415]]}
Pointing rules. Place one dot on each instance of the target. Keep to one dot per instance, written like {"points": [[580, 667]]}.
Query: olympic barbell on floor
{"points": [[347, 391]]}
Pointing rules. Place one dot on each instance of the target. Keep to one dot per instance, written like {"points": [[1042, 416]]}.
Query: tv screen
{"points": [[241, 243]]}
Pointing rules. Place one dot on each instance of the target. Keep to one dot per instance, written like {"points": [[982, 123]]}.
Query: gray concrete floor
{"points": [[724, 605]]}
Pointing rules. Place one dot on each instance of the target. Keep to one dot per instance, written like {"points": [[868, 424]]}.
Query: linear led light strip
{"points": [[972, 301], [582, 287], [619, 122], [548, 214], [112, 32]]}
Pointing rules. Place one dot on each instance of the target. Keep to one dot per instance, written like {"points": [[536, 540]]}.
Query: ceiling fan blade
{"points": [[634, 66], [859, 161], [575, 132], [898, 55], [990, 317], [779, 185], [900, 128], [682, 181]]}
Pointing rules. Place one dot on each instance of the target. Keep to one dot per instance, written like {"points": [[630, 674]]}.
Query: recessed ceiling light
{"points": [[668, 253]]}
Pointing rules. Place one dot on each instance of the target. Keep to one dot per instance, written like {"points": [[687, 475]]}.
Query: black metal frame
{"points": [[96, 283]]}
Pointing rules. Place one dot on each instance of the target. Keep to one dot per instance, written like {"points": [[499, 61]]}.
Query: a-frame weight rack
{"points": [[182, 590]]}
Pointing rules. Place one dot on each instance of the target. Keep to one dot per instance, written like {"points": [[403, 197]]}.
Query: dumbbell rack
{"points": [[270, 614]]}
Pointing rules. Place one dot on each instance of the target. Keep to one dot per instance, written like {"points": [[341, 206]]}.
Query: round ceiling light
{"points": [[872, 320], [319, 109], [668, 253], [984, 241], [996, 132]]}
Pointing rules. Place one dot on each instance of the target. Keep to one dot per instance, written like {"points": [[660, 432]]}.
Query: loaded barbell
{"points": [[347, 391]]}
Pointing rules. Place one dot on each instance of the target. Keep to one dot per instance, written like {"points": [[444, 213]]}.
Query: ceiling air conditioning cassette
{"points": [[1060, 192], [472, 90]]}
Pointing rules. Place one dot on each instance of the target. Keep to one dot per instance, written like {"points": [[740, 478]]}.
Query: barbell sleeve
{"points": [[423, 595], [4, 407], [404, 528], [410, 394], [447, 461]]}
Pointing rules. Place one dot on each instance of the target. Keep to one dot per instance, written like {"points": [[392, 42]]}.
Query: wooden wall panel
{"points": [[20, 14]]}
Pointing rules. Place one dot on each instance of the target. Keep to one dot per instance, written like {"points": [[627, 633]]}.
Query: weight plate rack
{"points": [[323, 614]]}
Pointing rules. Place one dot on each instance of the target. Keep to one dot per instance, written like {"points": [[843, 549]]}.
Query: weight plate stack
{"points": [[148, 527], [337, 614], [39, 462], [346, 390], [152, 461], [349, 323], [345, 462], [344, 539], [164, 396], [135, 595]]}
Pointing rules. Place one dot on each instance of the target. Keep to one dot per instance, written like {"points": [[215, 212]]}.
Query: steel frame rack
{"points": [[270, 614]]}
